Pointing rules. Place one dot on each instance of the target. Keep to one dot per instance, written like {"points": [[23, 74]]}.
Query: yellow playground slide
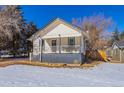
{"points": [[103, 54]]}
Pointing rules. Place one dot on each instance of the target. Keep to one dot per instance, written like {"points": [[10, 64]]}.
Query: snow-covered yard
{"points": [[106, 74]]}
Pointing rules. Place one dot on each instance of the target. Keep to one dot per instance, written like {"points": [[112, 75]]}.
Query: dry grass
{"points": [[5, 63]]}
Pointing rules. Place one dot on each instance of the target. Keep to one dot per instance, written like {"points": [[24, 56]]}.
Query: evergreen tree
{"points": [[122, 35], [11, 26], [17, 27], [115, 36], [14, 31], [30, 28]]}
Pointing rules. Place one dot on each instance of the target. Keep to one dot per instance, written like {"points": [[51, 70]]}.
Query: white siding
{"points": [[115, 47], [82, 45], [47, 46], [36, 48], [63, 30]]}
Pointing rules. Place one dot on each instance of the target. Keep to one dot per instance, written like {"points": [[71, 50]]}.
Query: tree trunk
{"points": [[14, 50]]}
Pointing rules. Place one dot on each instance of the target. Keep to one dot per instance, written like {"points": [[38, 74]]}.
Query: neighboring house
{"points": [[118, 51], [60, 42]]}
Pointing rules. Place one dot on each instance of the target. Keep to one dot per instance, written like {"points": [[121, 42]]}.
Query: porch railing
{"points": [[62, 49]]}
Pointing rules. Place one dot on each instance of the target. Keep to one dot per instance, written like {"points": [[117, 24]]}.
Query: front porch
{"points": [[62, 50], [61, 45]]}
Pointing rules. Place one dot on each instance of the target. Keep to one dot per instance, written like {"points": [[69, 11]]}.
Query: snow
{"points": [[106, 74]]}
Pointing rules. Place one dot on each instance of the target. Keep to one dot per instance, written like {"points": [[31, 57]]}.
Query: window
{"points": [[53, 42], [42, 42], [71, 41]]}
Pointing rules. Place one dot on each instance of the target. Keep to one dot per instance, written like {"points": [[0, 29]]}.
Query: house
{"points": [[117, 52], [59, 41]]}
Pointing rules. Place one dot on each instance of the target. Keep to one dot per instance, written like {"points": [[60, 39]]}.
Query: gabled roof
{"points": [[52, 25], [120, 44]]}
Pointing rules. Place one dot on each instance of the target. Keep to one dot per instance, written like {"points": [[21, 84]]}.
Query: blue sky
{"points": [[41, 15]]}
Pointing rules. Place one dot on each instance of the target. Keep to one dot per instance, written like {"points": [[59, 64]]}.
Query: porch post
{"points": [[59, 43], [31, 52], [40, 45], [82, 44]]}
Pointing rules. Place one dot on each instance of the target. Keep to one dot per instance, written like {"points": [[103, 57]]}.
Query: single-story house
{"points": [[59, 41], [117, 51]]}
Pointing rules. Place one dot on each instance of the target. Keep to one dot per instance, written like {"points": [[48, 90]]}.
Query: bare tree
{"points": [[96, 25]]}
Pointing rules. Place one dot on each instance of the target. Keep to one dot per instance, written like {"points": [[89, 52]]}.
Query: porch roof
{"points": [[57, 36]]}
